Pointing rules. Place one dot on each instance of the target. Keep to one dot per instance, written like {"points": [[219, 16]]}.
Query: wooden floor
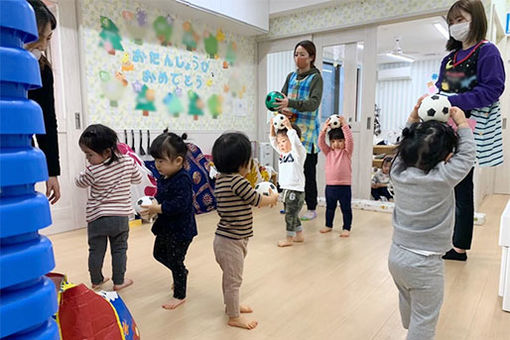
{"points": [[326, 288]]}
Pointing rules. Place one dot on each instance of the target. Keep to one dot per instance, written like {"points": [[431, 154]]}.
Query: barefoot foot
{"points": [[245, 309], [242, 323], [127, 283], [174, 303], [106, 279], [299, 237], [345, 233], [285, 243], [325, 230]]}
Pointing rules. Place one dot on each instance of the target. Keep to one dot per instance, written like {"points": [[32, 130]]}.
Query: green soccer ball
{"points": [[271, 102]]}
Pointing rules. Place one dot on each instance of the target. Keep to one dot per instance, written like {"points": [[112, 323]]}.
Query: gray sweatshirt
{"points": [[425, 203]]}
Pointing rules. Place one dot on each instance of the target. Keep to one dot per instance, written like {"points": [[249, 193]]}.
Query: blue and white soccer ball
{"points": [[435, 107], [264, 187], [334, 122]]}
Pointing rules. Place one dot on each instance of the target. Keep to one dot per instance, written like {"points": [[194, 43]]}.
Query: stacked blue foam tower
{"points": [[27, 298]]}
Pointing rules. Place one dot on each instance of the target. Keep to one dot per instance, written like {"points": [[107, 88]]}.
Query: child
{"points": [[338, 174], [109, 206], [175, 225], [380, 181], [427, 167], [291, 177], [231, 156]]}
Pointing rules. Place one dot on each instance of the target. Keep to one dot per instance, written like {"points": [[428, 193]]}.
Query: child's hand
{"points": [[151, 210], [287, 124], [458, 116], [325, 126], [274, 198], [413, 117], [342, 121]]}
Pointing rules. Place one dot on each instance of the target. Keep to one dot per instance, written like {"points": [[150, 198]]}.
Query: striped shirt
{"points": [[110, 188], [234, 196]]}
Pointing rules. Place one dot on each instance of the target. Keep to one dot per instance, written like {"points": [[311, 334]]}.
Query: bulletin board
{"points": [[146, 68]]}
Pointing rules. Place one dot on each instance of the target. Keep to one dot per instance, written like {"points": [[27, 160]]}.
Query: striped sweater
{"points": [[110, 188], [234, 197]]}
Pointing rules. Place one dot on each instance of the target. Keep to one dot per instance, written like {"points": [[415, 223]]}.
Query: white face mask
{"points": [[36, 53], [460, 31]]}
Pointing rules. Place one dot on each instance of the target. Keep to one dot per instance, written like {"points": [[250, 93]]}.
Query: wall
{"points": [[189, 76], [397, 97]]}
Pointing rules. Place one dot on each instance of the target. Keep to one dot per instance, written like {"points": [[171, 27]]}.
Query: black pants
{"points": [[171, 252], [311, 181], [464, 213], [342, 194], [381, 192]]}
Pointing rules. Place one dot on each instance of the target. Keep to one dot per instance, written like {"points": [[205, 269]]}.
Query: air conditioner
{"points": [[397, 73]]}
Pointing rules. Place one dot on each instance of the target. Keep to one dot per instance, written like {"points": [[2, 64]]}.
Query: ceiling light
{"points": [[400, 57], [440, 28]]}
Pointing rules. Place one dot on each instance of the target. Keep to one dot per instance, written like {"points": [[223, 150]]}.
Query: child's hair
{"points": [[231, 151], [309, 47], [100, 138], [336, 134], [425, 144], [169, 146], [284, 131], [477, 27], [387, 159]]}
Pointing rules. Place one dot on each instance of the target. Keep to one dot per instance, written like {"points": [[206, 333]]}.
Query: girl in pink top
{"points": [[338, 174]]}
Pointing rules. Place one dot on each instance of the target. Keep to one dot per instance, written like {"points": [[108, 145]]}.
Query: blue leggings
{"points": [[342, 194]]}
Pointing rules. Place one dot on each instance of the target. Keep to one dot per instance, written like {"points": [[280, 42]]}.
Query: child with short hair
{"points": [[109, 204], [380, 181], [338, 174], [291, 177], [430, 161], [175, 225], [235, 196]]}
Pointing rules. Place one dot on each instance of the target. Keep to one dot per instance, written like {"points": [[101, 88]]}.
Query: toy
{"points": [[334, 121], [264, 187], [278, 122], [271, 103], [435, 107], [144, 200]]}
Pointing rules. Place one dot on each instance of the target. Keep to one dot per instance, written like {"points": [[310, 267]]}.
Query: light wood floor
{"points": [[326, 288]]}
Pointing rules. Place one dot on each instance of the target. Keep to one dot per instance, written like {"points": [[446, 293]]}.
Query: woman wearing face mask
{"points": [[473, 77], [302, 97], [48, 142]]}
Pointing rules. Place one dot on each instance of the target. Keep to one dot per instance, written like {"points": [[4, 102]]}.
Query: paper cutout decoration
{"points": [[126, 64], [173, 104], [231, 55], [163, 27], [214, 103], [211, 45], [136, 24], [113, 87], [189, 37], [145, 100], [110, 37], [220, 36], [196, 105]]}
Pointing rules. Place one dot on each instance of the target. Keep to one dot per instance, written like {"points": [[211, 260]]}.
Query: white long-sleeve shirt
{"points": [[291, 165]]}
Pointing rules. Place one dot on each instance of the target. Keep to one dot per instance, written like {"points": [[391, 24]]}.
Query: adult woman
{"points": [[48, 143], [473, 77], [302, 96]]}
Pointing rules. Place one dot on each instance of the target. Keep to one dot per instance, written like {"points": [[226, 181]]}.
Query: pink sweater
{"points": [[338, 162]]}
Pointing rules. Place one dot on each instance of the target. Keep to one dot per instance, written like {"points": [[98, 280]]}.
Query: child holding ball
{"points": [[338, 174], [109, 177], [291, 177], [431, 160], [175, 225]]}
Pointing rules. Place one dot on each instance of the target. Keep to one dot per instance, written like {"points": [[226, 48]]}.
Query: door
{"points": [[69, 212], [348, 66]]}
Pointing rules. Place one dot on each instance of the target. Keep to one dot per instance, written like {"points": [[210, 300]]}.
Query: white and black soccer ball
{"points": [[263, 188], [435, 107], [278, 122], [334, 121], [144, 200]]}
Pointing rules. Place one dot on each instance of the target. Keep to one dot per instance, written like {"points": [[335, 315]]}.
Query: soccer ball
{"points": [[334, 121], [271, 102], [264, 187], [391, 188], [144, 200], [278, 122], [435, 107]]}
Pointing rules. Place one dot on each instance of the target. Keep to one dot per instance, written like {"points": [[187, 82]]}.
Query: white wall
{"points": [[281, 6], [396, 98]]}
